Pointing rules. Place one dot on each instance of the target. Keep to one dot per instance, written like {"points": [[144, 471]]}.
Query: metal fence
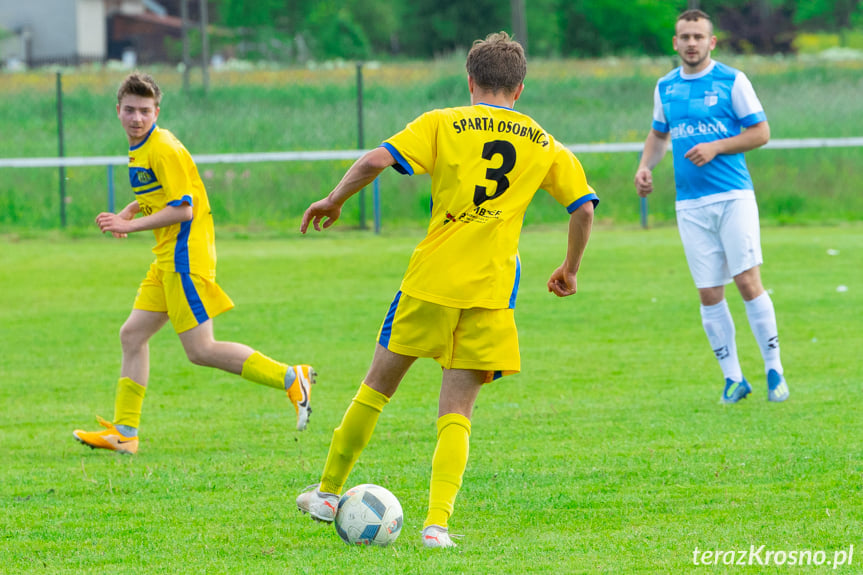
{"points": [[329, 155]]}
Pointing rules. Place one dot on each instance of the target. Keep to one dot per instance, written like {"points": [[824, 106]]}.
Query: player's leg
{"points": [[122, 434], [702, 244], [459, 391], [358, 424], [135, 335], [485, 346], [719, 327], [762, 321], [412, 328], [353, 434], [193, 302], [203, 349], [741, 238], [149, 314]]}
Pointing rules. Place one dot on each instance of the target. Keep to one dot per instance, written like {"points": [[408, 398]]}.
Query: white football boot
{"points": [[321, 506], [435, 536]]}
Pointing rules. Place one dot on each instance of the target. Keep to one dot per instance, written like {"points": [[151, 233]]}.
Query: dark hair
{"points": [[694, 15], [140, 84], [497, 63]]}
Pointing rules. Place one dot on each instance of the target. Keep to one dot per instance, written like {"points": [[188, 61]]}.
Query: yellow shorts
{"points": [[475, 338], [188, 299]]}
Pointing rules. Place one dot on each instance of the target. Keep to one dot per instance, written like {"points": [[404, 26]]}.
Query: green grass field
{"points": [[609, 453]]}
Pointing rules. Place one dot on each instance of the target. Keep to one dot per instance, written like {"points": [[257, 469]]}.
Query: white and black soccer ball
{"points": [[369, 514]]}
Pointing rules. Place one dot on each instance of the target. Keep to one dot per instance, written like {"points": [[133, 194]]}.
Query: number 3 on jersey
{"points": [[491, 149]]}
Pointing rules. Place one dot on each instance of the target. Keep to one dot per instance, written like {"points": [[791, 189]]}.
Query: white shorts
{"points": [[721, 240]]}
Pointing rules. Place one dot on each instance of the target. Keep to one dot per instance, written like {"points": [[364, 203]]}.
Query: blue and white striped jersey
{"points": [[715, 103]]}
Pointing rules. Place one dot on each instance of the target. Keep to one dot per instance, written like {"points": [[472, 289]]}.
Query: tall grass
{"points": [[279, 110]]}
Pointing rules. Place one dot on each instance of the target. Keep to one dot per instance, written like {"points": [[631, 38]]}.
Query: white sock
{"points": [[762, 320], [719, 327]]}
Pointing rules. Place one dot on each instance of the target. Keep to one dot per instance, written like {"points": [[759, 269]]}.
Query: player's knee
{"points": [[131, 337], [199, 356], [749, 285]]}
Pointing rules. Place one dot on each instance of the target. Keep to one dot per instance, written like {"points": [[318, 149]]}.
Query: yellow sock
{"points": [[351, 437], [448, 465], [261, 369], [128, 402]]}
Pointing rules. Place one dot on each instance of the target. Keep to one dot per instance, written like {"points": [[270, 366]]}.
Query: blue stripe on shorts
{"points": [[193, 299], [387, 328], [514, 293], [181, 249]]}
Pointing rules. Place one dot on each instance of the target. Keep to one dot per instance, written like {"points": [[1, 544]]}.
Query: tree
{"points": [[598, 27], [428, 28], [435, 27], [833, 15], [261, 13], [381, 21], [759, 26], [330, 29], [543, 27]]}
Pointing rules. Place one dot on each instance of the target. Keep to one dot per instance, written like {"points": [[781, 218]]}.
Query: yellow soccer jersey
{"points": [[162, 173], [486, 163]]}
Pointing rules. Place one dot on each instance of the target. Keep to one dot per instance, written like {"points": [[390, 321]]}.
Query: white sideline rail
{"points": [[325, 155]]}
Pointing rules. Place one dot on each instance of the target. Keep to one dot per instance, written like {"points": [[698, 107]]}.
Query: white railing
{"points": [[328, 155], [325, 155]]}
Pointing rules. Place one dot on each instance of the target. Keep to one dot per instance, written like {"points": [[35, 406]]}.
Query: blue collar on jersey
{"points": [[144, 141], [495, 106]]}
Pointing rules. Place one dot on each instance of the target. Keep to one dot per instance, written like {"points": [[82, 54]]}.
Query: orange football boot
{"points": [[300, 393], [109, 438]]}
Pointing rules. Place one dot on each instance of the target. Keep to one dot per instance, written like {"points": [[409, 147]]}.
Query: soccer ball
{"points": [[369, 515]]}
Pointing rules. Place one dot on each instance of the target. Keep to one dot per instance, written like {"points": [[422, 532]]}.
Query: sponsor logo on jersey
{"points": [[711, 98], [477, 215], [139, 177], [700, 128]]}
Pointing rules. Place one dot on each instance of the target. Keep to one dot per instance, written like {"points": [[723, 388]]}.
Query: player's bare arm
{"points": [[563, 281], [127, 213], [751, 138], [119, 224], [359, 175], [654, 150]]}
